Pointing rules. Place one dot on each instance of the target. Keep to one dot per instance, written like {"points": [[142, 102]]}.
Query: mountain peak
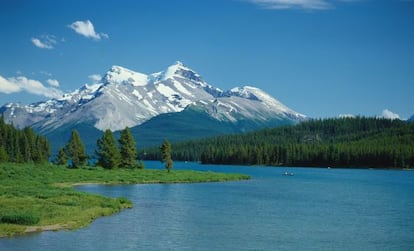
{"points": [[121, 75], [178, 63], [178, 69]]}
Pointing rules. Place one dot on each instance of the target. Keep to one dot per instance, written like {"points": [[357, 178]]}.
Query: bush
{"points": [[124, 200], [20, 219]]}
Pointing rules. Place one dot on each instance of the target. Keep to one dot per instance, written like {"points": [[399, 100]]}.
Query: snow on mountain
{"points": [[389, 114], [127, 98], [249, 103], [120, 75]]}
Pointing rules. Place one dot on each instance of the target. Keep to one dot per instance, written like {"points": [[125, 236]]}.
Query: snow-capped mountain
{"points": [[128, 98]]}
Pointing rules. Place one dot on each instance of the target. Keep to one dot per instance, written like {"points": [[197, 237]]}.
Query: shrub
{"points": [[20, 219]]}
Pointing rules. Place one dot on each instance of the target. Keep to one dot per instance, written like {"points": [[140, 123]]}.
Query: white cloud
{"points": [[44, 42], [8, 87], [290, 4], [53, 82], [299, 4], [18, 84], [40, 44], [46, 73], [86, 29], [95, 77], [389, 114]]}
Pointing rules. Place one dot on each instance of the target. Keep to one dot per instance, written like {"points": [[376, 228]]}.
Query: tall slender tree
{"points": [[108, 153], [4, 157], [76, 150], [61, 158], [21, 145], [166, 155], [128, 149]]}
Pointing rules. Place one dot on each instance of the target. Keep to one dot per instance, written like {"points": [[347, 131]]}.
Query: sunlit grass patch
{"points": [[41, 197]]}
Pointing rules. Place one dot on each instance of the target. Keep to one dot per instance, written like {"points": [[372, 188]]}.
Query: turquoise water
{"points": [[316, 209]]}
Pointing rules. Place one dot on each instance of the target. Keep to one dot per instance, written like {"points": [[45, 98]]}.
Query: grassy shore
{"points": [[41, 197]]}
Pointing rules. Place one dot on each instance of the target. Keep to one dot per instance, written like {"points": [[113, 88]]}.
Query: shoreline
{"points": [[76, 209], [37, 229], [59, 227]]}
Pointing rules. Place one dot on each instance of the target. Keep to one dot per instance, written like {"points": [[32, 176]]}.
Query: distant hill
{"points": [[343, 142]]}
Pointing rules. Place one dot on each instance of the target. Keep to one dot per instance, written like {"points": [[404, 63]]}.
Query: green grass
{"points": [[39, 197]]}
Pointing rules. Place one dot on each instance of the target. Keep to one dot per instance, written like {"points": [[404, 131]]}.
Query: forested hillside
{"points": [[344, 142], [22, 145]]}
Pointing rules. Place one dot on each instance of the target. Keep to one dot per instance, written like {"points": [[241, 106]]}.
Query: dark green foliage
{"points": [[127, 149], [76, 150], [110, 156], [108, 153], [61, 158], [345, 142], [20, 219], [166, 155], [22, 145], [4, 157]]}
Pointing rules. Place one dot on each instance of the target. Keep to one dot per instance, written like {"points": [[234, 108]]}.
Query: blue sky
{"points": [[320, 57]]}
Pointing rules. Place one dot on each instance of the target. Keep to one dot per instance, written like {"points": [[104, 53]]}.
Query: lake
{"points": [[316, 209]]}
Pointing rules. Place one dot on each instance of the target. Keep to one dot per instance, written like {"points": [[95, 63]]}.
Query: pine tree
{"points": [[166, 155], [29, 149], [127, 149], [108, 153], [22, 145], [61, 158], [43, 146], [76, 150], [4, 157]]}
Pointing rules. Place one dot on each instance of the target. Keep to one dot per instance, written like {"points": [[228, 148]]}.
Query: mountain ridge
{"points": [[150, 103], [127, 98]]}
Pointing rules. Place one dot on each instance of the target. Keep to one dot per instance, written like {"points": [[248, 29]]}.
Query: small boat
{"points": [[288, 174]]}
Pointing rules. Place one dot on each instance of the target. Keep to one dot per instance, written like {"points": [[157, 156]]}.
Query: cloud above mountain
{"points": [[86, 29], [298, 4], [95, 77], [8, 87], [21, 83], [53, 82]]}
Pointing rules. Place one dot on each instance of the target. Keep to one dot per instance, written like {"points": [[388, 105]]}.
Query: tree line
{"points": [[110, 153], [342, 142], [22, 146], [25, 146]]}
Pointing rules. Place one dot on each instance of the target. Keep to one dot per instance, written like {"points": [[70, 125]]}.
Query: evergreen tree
{"points": [[4, 157], [76, 150], [127, 149], [61, 158], [29, 149], [166, 155], [108, 153], [43, 149], [20, 145], [343, 142]]}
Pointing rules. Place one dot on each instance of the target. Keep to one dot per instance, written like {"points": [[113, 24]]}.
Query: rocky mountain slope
{"points": [[127, 98]]}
